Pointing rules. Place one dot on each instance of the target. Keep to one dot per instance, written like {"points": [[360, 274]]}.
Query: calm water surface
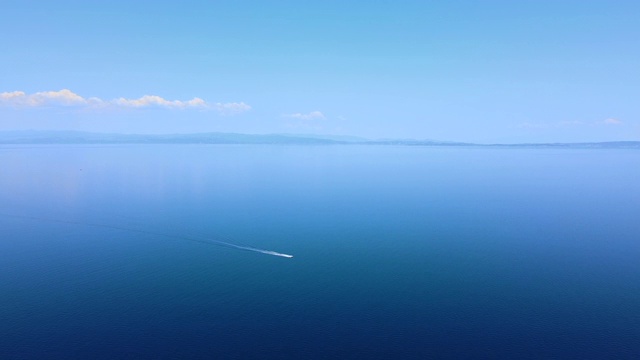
{"points": [[399, 252]]}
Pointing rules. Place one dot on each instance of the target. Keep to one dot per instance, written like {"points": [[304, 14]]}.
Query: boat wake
{"points": [[199, 240], [268, 252]]}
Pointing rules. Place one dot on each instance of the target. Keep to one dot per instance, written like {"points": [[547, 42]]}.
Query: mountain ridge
{"points": [[80, 137]]}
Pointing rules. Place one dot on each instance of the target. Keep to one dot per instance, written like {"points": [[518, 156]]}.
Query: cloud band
{"points": [[314, 115], [66, 97]]}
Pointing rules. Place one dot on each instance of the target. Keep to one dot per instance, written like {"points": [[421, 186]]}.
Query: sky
{"points": [[479, 71]]}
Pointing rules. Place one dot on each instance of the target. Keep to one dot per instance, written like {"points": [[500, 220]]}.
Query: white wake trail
{"points": [[248, 248], [269, 252], [200, 239]]}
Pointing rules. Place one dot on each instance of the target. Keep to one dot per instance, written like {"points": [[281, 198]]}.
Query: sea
{"points": [[394, 252]]}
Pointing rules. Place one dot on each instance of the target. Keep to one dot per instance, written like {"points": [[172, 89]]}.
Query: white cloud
{"points": [[68, 98], [153, 100], [612, 121], [63, 97], [231, 108], [314, 115]]}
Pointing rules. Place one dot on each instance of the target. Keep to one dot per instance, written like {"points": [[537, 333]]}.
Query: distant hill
{"points": [[79, 137]]}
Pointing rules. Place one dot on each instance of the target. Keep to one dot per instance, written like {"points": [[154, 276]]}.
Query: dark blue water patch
{"points": [[398, 253]]}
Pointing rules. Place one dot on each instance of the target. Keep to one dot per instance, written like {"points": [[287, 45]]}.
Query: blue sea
{"points": [[399, 252]]}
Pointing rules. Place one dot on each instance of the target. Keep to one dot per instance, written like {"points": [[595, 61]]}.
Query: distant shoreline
{"points": [[33, 137]]}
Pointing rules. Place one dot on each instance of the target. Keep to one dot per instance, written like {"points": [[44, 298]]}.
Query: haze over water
{"points": [[399, 252]]}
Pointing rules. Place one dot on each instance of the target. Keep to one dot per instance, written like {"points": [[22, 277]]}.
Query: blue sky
{"points": [[483, 71]]}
